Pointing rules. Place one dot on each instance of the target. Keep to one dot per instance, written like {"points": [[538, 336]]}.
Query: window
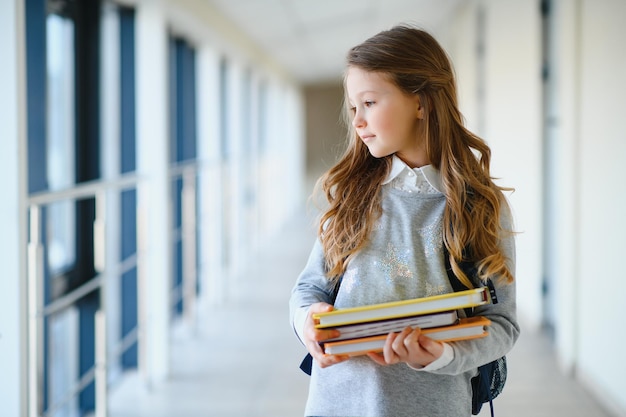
{"points": [[184, 178], [63, 47]]}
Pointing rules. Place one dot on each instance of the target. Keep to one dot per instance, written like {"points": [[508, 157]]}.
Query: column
{"points": [[153, 193]]}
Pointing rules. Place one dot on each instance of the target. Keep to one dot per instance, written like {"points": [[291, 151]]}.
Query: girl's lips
{"points": [[366, 138]]}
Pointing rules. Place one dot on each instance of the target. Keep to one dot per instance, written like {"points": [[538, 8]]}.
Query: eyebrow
{"points": [[368, 92], [360, 93]]}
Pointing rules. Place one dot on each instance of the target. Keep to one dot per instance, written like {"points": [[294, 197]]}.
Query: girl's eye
{"points": [[368, 103]]}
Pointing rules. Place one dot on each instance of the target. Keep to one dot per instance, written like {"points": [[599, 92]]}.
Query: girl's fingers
{"points": [[329, 360], [406, 345], [432, 347], [323, 359], [411, 341], [313, 336], [390, 348], [410, 346], [311, 333], [318, 335], [402, 341]]}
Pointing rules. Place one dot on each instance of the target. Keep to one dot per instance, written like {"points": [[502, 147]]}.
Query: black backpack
{"points": [[489, 382]]}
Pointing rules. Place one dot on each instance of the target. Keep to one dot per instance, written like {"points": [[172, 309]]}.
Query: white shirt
{"points": [[425, 179]]}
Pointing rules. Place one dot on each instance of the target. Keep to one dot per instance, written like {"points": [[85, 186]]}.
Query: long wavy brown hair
{"points": [[416, 63]]}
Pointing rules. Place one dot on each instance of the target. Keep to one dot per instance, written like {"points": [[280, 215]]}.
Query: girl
{"points": [[411, 181]]}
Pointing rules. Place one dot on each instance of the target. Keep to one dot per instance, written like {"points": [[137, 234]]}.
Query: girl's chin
{"points": [[378, 153]]}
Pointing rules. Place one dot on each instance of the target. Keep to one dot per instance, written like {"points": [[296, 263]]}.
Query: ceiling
{"points": [[311, 37]]}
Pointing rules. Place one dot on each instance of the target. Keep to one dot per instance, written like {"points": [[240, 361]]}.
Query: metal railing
{"points": [[38, 310]]}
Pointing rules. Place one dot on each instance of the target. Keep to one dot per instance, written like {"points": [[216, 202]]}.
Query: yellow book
{"points": [[467, 328], [413, 307]]}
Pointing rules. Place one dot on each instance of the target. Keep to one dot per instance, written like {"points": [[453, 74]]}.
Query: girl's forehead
{"points": [[358, 73], [359, 80]]}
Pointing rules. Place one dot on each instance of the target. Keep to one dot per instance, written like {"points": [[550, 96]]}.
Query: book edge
{"points": [[374, 307]]}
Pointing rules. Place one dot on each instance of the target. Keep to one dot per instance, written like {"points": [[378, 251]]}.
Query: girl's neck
{"points": [[416, 161]]}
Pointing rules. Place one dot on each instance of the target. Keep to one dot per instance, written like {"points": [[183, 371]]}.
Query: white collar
{"points": [[431, 174]]}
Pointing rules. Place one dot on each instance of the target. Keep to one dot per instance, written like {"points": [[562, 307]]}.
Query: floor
{"points": [[243, 361]]}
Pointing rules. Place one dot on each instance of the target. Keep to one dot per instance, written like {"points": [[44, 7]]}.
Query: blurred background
{"points": [[157, 156]]}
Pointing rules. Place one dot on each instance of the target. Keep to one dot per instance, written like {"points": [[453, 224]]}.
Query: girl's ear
{"points": [[420, 108]]}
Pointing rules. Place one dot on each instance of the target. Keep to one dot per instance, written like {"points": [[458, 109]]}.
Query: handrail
{"points": [[177, 169], [83, 190], [89, 189], [126, 342], [127, 264], [71, 297]]}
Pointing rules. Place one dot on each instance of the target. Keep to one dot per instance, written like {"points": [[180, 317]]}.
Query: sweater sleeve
{"points": [[504, 329], [312, 286]]}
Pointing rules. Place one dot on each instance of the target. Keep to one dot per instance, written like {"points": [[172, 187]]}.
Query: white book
{"points": [[375, 328]]}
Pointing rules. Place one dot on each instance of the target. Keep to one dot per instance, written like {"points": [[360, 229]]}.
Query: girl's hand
{"points": [[313, 336], [409, 346]]}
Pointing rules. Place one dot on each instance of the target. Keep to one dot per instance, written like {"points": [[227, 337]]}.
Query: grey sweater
{"points": [[403, 259]]}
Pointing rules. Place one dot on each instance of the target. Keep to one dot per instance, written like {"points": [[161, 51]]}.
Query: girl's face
{"points": [[385, 118]]}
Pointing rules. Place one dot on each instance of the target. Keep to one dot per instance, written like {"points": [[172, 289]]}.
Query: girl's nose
{"points": [[358, 120]]}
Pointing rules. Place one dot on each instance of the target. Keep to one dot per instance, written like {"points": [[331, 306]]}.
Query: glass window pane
{"points": [[60, 141], [60, 101]]}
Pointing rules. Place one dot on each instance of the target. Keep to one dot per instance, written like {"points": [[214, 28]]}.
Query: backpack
{"points": [[489, 382]]}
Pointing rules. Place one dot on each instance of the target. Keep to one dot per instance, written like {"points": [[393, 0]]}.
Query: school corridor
{"points": [[156, 158], [242, 361]]}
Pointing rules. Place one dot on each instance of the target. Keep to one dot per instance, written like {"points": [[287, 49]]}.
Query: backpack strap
{"points": [[472, 273], [470, 270]]}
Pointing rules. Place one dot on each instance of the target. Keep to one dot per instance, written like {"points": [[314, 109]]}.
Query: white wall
{"points": [[293, 149], [282, 167], [154, 224], [461, 41], [12, 212], [562, 206], [602, 226], [213, 288]]}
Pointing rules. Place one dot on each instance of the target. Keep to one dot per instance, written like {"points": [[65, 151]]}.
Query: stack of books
{"points": [[365, 329]]}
